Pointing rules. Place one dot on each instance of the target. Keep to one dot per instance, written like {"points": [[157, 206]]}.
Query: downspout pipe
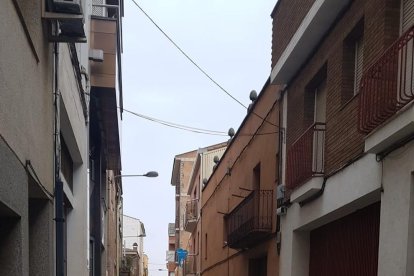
{"points": [[281, 139], [282, 135], [59, 214]]}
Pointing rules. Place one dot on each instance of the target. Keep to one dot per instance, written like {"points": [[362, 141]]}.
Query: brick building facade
{"points": [[344, 65], [238, 210]]}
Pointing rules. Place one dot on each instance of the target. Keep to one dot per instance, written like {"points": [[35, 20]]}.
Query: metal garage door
{"points": [[347, 246]]}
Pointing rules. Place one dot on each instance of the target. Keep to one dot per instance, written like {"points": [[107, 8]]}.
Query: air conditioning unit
{"points": [[67, 6]]}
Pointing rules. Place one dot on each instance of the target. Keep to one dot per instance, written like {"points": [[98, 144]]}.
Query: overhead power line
{"points": [[190, 128], [178, 126], [196, 65]]}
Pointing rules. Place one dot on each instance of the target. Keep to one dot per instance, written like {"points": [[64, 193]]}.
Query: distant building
{"points": [[205, 164], [181, 173], [145, 265], [170, 254], [133, 245]]}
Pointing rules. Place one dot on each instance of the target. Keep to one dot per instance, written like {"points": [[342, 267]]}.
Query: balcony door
{"points": [[318, 133], [258, 267], [320, 103]]}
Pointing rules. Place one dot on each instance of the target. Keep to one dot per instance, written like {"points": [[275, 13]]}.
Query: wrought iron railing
{"points": [[306, 156], [387, 86], [250, 218]]}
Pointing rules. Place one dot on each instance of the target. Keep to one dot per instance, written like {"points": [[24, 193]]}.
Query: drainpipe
{"points": [[59, 216], [86, 92], [281, 135], [281, 138]]}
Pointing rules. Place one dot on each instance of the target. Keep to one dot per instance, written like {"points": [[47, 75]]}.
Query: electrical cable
{"points": [[175, 124], [191, 129], [196, 65], [178, 126]]}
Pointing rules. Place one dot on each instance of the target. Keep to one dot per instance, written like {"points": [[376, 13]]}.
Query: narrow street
{"points": [[207, 138]]}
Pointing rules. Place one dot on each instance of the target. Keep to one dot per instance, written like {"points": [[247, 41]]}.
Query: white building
{"points": [[133, 237]]}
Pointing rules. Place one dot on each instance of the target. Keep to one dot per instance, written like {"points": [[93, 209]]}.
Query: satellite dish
{"points": [[231, 132], [216, 159], [253, 95]]}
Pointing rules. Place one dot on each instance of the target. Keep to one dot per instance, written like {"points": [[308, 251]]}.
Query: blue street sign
{"points": [[181, 256]]}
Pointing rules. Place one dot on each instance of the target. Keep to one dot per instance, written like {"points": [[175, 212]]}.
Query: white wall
{"points": [[131, 230], [396, 248], [355, 187]]}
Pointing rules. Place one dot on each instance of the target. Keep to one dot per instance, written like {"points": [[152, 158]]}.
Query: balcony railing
{"points": [[103, 8], [190, 266], [191, 215], [251, 220], [305, 158], [387, 86]]}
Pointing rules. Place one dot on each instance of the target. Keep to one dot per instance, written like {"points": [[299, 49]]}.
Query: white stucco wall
{"points": [[396, 248], [355, 187]]}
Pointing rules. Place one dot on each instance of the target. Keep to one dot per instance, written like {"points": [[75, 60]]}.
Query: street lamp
{"points": [[137, 236], [148, 174]]}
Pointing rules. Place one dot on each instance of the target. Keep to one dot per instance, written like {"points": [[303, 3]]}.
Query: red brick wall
{"points": [[287, 17], [343, 141]]}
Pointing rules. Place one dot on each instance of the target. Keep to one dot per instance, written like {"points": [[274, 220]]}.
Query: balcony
{"points": [[191, 215], [386, 89], [251, 220], [305, 160], [190, 266], [106, 74]]}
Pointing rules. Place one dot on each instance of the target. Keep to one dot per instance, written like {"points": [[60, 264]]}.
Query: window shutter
{"points": [[359, 60], [407, 14]]}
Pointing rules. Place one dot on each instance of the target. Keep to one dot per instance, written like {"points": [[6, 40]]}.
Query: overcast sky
{"points": [[231, 40]]}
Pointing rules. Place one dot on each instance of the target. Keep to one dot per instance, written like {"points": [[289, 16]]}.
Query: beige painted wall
{"points": [[26, 105], [218, 199]]}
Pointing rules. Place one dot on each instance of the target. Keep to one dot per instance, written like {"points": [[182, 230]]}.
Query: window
{"points": [[256, 177], [319, 115], [358, 62], [225, 231], [315, 98], [198, 242], [91, 256], [258, 267], [66, 163], [205, 251], [352, 62]]}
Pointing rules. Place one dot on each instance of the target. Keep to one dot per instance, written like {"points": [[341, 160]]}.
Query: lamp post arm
{"points": [[148, 174]]}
